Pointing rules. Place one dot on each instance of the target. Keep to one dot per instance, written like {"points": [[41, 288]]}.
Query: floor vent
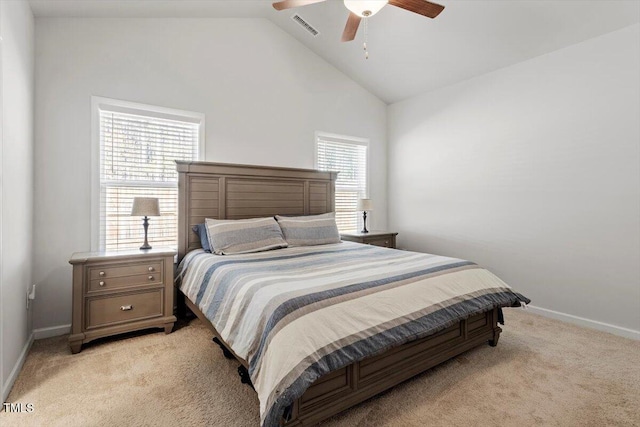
{"points": [[304, 24]]}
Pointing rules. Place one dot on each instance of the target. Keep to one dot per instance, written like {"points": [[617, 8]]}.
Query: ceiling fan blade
{"points": [[422, 7], [350, 30], [288, 4]]}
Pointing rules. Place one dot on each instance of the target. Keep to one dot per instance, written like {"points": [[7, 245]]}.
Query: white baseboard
{"points": [[52, 331], [581, 321], [6, 387]]}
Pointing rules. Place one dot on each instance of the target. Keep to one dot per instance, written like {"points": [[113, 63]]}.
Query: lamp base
{"points": [[364, 222], [146, 244]]}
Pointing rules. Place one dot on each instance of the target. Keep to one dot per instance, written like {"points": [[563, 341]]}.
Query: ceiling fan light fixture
{"points": [[365, 8]]}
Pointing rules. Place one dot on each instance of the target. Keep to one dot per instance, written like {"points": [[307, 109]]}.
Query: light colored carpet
{"points": [[543, 372]]}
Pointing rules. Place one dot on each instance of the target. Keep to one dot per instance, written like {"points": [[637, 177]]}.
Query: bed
{"points": [[273, 311]]}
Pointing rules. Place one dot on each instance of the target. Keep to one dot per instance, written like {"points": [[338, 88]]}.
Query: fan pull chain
{"points": [[366, 33]]}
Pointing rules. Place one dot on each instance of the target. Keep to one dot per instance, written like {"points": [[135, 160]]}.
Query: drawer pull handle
{"points": [[101, 274], [126, 307], [101, 283], [150, 277], [150, 268], [386, 242]]}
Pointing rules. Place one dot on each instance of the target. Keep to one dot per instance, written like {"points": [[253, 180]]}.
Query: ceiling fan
{"points": [[359, 9]]}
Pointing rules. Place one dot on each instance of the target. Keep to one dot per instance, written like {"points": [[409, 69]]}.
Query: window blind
{"points": [[137, 159], [350, 159]]}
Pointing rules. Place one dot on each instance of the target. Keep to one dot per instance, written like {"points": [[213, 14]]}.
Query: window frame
{"points": [[353, 140], [98, 104]]}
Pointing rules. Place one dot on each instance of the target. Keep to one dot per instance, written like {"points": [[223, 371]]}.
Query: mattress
{"points": [[296, 314]]}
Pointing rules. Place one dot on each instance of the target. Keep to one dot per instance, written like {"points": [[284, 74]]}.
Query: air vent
{"points": [[304, 24]]}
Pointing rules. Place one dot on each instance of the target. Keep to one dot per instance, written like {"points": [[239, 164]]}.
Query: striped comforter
{"points": [[296, 314]]}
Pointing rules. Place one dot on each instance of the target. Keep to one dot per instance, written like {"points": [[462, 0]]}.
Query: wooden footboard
{"points": [[342, 389], [346, 387]]}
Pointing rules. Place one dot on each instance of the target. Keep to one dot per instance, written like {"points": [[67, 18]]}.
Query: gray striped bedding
{"points": [[296, 314]]}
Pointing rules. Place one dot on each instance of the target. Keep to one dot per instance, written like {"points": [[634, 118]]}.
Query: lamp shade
{"points": [[365, 205], [145, 206], [365, 8]]}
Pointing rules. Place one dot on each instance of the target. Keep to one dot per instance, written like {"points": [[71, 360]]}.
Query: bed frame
{"points": [[228, 191]]}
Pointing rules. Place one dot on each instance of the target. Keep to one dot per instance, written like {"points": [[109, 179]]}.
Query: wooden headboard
{"points": [[228, 191]]}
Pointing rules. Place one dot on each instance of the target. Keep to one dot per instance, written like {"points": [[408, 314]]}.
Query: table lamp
{"points": [[145, 206], [365, 205]]}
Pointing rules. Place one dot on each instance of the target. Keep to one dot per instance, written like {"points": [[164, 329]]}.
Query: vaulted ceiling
{"points": [[408, 54]]}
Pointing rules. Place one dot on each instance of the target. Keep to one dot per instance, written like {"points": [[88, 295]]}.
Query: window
{"points": [[138, 146], [349, 156]]}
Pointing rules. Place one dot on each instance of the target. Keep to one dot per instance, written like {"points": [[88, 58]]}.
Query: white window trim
{"points": [[347, 140], [99, 103], [355, 140]]}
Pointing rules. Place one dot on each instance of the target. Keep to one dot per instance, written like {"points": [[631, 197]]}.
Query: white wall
{"points": [[17, 29], [263, 93], [534, 172]]}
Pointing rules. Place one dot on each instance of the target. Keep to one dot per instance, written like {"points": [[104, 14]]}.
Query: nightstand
{"points": [[122, 291], [386, 239]]}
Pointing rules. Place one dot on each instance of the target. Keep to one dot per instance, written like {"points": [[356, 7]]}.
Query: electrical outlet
{"points": [[31, 296]]}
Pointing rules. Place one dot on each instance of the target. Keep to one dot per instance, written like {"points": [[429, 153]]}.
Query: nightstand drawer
{"points": [[148, 267], [385, 243], [103, 311], [124, 281]]}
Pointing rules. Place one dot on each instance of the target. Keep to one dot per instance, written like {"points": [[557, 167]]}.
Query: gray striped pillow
{"points": [[309, 230], [241, 236]]}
